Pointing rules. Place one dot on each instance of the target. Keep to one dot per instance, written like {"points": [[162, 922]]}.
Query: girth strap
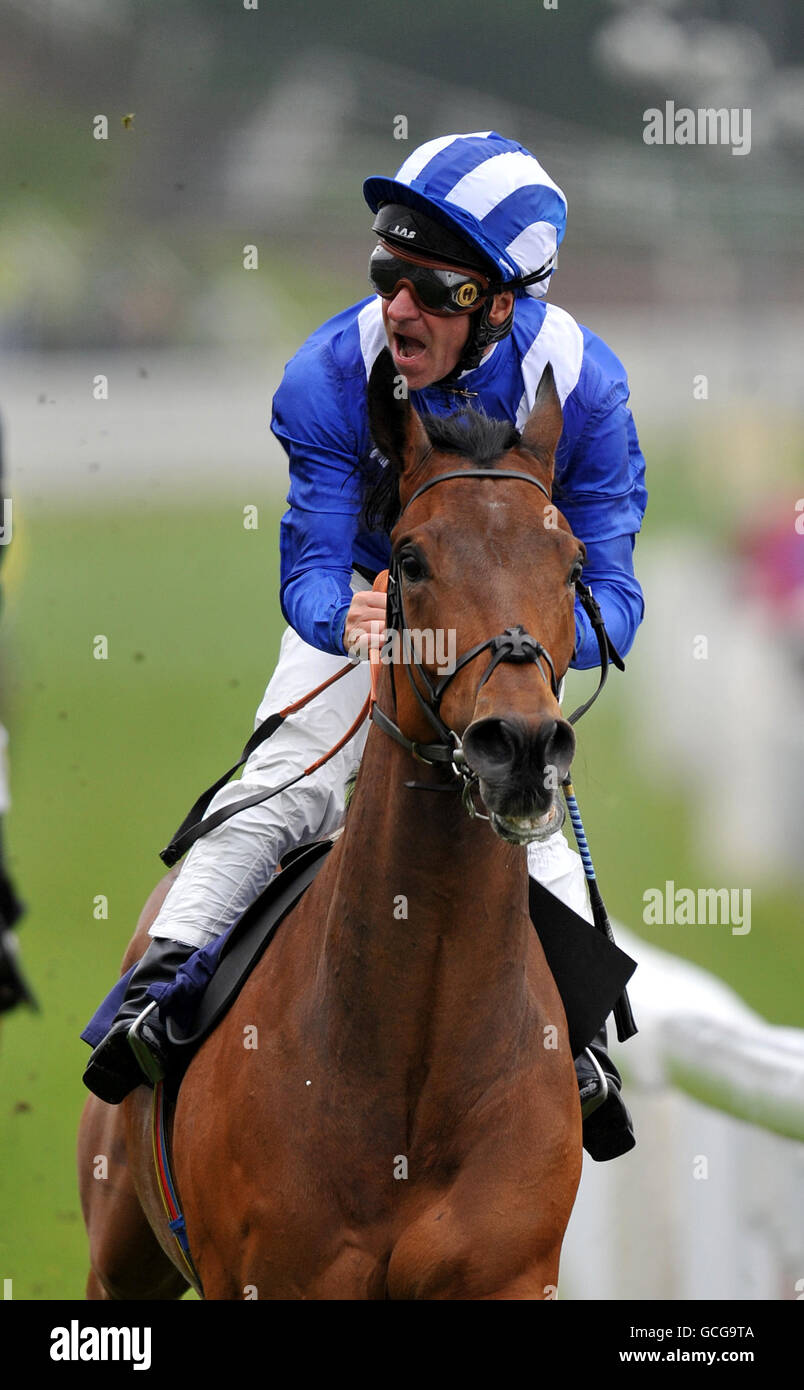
{"points": [[167, 1187]]}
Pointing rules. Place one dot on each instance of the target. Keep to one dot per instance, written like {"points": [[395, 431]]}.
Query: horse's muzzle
{"points": [[520, 766]]}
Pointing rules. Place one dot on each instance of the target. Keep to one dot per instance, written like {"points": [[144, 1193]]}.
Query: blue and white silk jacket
{"points": [[320, 418]]}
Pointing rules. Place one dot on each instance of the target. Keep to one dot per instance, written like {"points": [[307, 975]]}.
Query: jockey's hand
{"points": [[364, 629]]}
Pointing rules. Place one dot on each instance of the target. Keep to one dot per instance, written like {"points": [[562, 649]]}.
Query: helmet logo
{"points": [[403, 231], [467, 294]]}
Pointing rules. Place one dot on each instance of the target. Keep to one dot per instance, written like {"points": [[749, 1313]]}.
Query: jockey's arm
{"points": [[315, 545], [601, 492], [609, 573], [317, 533]]}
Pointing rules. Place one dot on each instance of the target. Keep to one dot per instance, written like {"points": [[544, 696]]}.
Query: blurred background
{"points": [[123, 258]]}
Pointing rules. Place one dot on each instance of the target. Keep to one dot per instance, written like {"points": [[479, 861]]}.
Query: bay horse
{"points": [[408, 1124]]}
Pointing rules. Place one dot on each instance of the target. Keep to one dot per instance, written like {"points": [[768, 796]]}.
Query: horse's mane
{"points": [[466, 432], [472, 435]]}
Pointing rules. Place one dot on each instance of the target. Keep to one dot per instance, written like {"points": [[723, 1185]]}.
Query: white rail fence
{"points": [[709, 1203]]}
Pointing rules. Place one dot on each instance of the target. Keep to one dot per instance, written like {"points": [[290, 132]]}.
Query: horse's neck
{"points": [[428, 929]]}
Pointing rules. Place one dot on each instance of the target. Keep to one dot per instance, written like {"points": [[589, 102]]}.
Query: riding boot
{"points": [[131, 1055], [607, 1126]]}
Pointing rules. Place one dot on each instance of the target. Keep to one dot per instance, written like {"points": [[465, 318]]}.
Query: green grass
{"points": [[108, 755]]}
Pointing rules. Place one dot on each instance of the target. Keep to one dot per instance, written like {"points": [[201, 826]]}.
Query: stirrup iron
{"points": [[146, 1060], [591, 1106]]}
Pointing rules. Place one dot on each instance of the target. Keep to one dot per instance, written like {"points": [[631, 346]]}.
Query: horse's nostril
{"points": [[497, 747], [558, 748], [492, 746]]}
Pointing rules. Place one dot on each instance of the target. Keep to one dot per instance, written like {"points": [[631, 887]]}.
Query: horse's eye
{"points": [[577, 571], [411, 565]]}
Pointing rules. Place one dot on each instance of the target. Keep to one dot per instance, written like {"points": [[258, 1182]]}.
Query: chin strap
{"points": [[481, 335]]}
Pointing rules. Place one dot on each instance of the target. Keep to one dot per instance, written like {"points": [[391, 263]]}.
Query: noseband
{"points": [[514, 645]]}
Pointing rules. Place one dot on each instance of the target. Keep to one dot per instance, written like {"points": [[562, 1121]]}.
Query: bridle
{"points": [[514, 645]]}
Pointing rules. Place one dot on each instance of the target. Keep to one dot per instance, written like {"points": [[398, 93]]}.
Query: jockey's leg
{"points": [[559, 869], [228, 868], [607, 1126]]}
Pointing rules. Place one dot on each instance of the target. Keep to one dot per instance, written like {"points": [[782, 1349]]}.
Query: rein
{"points": [[194, 825]]}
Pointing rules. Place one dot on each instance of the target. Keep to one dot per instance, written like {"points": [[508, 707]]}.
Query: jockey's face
{"points": [[425, 347]]}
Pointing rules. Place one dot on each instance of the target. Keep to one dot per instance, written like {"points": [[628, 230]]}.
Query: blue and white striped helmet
{"points": [[493, 193]]}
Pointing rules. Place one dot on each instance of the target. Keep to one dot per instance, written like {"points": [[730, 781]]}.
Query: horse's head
{"points": [[472, 557]]}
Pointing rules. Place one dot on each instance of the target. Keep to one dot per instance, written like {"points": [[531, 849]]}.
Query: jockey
{"points": [[467, 240]]}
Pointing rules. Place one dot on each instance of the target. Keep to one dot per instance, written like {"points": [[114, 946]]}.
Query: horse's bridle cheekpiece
{"points": [[514, 645]]}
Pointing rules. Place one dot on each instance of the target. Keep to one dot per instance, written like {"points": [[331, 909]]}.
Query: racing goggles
{"points": [[436, 288]]}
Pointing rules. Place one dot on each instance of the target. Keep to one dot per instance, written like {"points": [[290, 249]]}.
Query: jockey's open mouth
{"points": [[407, 347]]}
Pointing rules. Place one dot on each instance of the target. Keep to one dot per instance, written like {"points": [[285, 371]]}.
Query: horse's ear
{"points": [[546, 420], [395, 427]]}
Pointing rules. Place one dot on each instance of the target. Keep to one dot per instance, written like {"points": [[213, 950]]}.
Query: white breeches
{"points": [[228, 868]]}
